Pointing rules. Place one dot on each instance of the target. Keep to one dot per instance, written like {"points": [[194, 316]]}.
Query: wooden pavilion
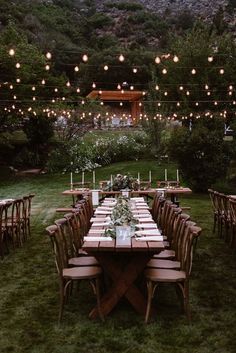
{"points": [[132, 97]]}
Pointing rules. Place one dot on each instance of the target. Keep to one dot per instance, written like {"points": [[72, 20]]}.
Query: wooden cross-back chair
{"points": [[232, 212], [15, 222], [67, 274], [27, 203], [4, 208], [180, 278], [172, 252]]}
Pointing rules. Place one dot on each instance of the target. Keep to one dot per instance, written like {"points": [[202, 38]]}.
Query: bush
{"points": [[202, 155], [103, 151]]}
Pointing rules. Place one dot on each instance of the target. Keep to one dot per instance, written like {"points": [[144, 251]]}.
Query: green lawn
{"points": [[29, 288]]}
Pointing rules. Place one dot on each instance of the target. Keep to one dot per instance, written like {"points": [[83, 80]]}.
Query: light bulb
{"points": [[175, 59], [49, 56], [157, 60], [85, 57], [121, 58], [11, 52], [76, 68]]}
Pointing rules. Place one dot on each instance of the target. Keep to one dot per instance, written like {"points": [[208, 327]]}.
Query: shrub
{"points": [[103, 151], [202, 155]]}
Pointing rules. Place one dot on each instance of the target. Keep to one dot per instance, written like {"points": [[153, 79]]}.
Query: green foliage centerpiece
{"points": [[121, 216], [121, 182]]}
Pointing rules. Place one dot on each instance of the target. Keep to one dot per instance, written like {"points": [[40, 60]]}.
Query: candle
{"points": [[71, 176], [82, 178], [71, 180], [177, 174], [111, 180], [165, 174], [150, 176], [94, 178], [139, 178]]}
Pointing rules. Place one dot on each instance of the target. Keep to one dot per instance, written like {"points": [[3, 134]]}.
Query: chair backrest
{"points": [[77, 236], [190, 233], [58, 245], [180, 220], [157, 204], [232, 210], [27, 202], [213, 198], [67, 237]]}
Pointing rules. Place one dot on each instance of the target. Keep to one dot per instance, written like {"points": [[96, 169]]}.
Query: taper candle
{"points": [[82, 178], [94, 178], [165, 174], [150, 176], [177, 174]]}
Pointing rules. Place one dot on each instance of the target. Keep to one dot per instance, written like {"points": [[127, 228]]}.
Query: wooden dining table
{"points": [[123, 264], [173, 192]]}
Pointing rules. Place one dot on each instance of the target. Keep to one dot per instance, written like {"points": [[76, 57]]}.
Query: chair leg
{"points": [[62, 302], [149, 300], [97, 285]]}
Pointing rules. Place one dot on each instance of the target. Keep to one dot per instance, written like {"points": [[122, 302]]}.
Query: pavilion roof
{"points": [[116, 95]]}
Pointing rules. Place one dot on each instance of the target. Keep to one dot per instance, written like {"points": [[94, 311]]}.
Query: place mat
{"points": [[98, 238], [152, 238], [146, 225], [104, 208]]}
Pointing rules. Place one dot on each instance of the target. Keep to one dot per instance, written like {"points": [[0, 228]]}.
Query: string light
{"points": [[157, 60], [164, 71], [135, 70], [43, 82], [222, 71], [68, 83], [76, 68], [47, 67], [11, 52], [210, 59], [193, 72], [85, 57], [78, 90], [17, 65], [49, 56], [121, 58], [157, 88], [106, 67], [175, 58], [94, 85]]}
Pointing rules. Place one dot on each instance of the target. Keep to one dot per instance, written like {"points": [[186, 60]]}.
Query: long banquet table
{"points": [[172, 192], [122, 263]]}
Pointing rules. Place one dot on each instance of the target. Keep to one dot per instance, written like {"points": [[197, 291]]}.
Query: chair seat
{"points": [[164, 275], [83, 261], [84, 272], [165, 254], [168, 264]]}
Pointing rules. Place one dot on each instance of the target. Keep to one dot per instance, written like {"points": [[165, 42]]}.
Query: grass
{"points": [[29, 288]]}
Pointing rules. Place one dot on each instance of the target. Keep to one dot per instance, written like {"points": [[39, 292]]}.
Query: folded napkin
{"points": [[103, 208], [148, 232], [108, 204], [142, 207], [99, 219], [101, 224], [96, 231], [140, 211], [146, 225], [103, 212], [141, 215], [137, 198], [152, 238], [98, 238], [144, 220], [109, 199]]}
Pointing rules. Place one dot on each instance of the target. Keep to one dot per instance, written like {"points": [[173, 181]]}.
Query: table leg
{"points": [[123, 282]]}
